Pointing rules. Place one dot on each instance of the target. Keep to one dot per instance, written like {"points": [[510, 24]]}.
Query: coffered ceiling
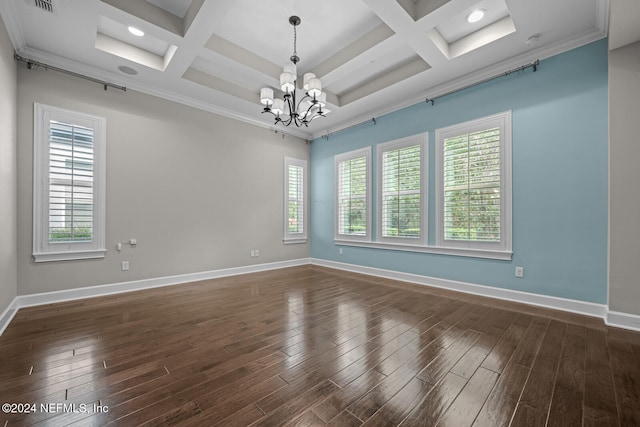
{"points": [[373, 56]]}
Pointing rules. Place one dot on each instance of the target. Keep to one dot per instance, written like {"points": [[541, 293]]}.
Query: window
{"points": [[353, 195], [401, 189], [295, 208], [69, 185], [473, 180]]}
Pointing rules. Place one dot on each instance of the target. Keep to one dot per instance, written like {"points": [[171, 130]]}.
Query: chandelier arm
{"points": [[290, 100], [314, 116], [293, 114], [306, 95], [288, 122], [306, 114]]}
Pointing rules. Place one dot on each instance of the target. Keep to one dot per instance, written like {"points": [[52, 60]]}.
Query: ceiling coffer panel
{"points": [[219, 84], [163, 15], [418, 9], [384, 79]]}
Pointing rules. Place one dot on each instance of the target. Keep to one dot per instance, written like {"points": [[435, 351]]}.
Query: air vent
{"points": [[44, 5]]}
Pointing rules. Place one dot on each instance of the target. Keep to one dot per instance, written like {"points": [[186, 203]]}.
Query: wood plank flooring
{"points": [[310, 346]]}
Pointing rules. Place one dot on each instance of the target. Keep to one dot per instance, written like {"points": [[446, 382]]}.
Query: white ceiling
{"points": [[373, 56]]}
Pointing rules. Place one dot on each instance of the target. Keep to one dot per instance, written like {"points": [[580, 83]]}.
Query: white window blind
{"points": [[401, 168], [295, 207], [353, 201], [69, 185], [473, 178], [472, 186]]}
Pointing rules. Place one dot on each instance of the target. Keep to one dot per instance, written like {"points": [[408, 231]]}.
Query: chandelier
{"points": [[288, 109]]}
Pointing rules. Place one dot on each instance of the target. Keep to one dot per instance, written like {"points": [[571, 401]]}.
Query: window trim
{"points": [[43, 250], [502, 120], [421, 140], [339, 158], [295, 238], [436, 250]]}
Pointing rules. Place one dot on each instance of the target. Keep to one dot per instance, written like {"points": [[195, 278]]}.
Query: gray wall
{"points": [[624, 171], [198, 191], [8, 174]]}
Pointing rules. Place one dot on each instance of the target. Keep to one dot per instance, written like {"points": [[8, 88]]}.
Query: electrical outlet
{"points": [[257, 252], [340, 251], [125, 265], [519, 272]]}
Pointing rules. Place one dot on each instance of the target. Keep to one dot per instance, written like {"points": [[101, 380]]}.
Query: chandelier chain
{"points": [[295, 41]]}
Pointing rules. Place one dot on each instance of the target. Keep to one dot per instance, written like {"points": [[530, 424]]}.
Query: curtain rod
{"points": [[30, 63], [330, 134], [533, 65]]}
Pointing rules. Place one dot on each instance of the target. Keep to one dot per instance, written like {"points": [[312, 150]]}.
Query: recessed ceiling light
{"points": [[476, 15], [136, 31]]}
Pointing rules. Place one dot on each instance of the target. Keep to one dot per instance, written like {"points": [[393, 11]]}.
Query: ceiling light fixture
{"points": [[286, 110], [136, 31], [476, 15]]}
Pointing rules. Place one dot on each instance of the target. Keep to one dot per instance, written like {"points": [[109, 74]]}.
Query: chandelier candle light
{"points": [[287, 110]]}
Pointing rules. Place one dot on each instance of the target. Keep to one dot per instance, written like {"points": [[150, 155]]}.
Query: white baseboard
{"points": [[573, 306], [116, 288], [7, 315], [623, 320]]}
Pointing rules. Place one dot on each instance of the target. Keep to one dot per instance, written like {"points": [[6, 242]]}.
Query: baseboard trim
{"points": [[7, 315], [623, 320], [563, 304], [116, 288]]}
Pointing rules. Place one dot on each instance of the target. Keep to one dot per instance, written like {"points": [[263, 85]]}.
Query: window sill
{"points": [[69, 256], [438, 250], [295, 241]]}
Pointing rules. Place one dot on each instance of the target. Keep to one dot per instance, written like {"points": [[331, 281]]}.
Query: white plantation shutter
{"points": [[352, 194], [474, 182], [295, 207], [69, 185], [472, 186], [296, 200], [401, 168]]}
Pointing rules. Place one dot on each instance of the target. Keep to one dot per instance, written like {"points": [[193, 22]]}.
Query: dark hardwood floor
{"points": [[310, 346]]}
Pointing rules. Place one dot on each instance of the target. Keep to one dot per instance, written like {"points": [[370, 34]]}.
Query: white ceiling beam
{"points": [[407, 30], [203, 26]]}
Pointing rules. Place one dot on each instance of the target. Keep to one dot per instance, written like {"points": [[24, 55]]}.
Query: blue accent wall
{"points": [[560, 139]]}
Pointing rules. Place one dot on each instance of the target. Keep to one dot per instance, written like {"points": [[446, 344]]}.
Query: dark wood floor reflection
{"points": [[309, 346]]}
